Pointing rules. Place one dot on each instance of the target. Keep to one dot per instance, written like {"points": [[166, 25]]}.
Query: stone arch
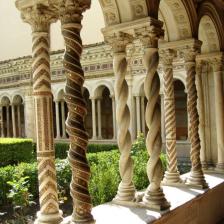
{"points": [[17, 99], [175, 15], [137, 88], [211, 31], [181, 77], [114, 12], [60, 95], [97, 92], [5, 100]]}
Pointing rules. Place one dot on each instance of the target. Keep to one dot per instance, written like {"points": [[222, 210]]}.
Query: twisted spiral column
{"points": [[196, 177], [201, 112], [172, 174], [71, 18], [126, 189], [154, 197]]}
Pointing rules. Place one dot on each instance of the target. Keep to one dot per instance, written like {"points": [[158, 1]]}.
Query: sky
{"points": [[15, 35]]}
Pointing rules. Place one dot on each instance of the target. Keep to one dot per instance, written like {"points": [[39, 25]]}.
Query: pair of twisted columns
{"points": [[196, 177], [40, 18], [126, 189], [154, 196], [172, 174]]}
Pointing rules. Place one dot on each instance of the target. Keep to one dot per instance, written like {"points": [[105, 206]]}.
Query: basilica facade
{"points": [[159, 72]]}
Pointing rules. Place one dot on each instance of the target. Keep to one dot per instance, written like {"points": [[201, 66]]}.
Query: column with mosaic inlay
{"points": [[71, 16], [40, 18]]}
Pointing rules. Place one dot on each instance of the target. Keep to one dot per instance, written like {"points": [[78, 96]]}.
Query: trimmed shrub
{"points": [[103, 183], [101, 147], [14, 151], [61, 148]]}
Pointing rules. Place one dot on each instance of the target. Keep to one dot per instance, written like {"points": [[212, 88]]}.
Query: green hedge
{"points": [[103, 183], [13, 151]]}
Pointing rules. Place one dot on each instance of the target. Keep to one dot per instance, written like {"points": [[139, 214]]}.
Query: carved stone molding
{"points": [[38, 15]]}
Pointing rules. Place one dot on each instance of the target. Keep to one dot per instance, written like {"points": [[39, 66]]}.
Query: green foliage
{"points": [[101, 147], [104, 174], [139, 144], [19, 192], [14, 151]]}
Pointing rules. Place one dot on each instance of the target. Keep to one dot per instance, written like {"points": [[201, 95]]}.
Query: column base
{"points": [[82, 220], [220, 167], [126, 192], [155, 200], [49, 218], [197, 180], [172, 179], [204, 165]]}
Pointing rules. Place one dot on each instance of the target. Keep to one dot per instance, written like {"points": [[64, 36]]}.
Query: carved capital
{"points": [[167, 56], [119, 41], [150, 35], [218, 63], [190, 51], [71, 10], [38, 15]]}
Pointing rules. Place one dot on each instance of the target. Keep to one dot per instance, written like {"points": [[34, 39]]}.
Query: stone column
{"points": [[2, 124], [114, 118], [126, 189], [162, 118], [99, 119], [13, 121], [218, 70], [138, 114], [7, 121], [201, 112], [94, 118], [40, 17], [196, 177], [154, 196], [58, 136], [172, 174], [63, 119], [19, 120], [71, 17], [143, 113], [30, 130]]}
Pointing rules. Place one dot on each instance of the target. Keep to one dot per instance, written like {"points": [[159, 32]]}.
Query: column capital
{"points": [[39, 15], [119, 41], [218, 63], [167, 56], [149, 35], [71, 10], [190, 51]]}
